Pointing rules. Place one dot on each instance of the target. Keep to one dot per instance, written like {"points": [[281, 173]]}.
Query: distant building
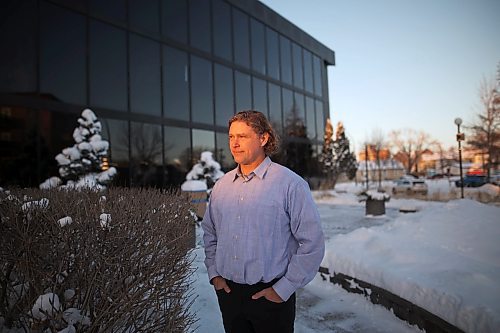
{"points": [[163, 77]]}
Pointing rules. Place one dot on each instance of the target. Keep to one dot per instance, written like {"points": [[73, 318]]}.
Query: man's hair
{"points": [[260, 125]]}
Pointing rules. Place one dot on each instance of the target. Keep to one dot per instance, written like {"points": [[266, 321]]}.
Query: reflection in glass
{"points": [[310, 118], [298, 75], [116, 132], [177, 154], [241, 38], [62, 54], [222, 29], [273, 60], [175, 84], [224, 100], [298, 101], [108, 66], [320, 120], [20, 143], [202, 141], [145, 155], [258, 46], [223, 154], [174, 19], [308, 71], [318, 90], [201, 91], [145, 94], [259, 95], [199, 24], [286, 60], [275, 115], [288, 103], [144, 15], [18, 32], [243, 91], [111, 9]]}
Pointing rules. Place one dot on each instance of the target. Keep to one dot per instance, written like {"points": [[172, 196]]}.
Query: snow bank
{"points": [[445, 259]]}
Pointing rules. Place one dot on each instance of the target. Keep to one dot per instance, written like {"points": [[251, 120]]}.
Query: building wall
{"points": [[163, 77]]}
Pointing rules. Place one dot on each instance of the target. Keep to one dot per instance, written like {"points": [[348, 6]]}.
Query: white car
{"points": [[407, 185]]}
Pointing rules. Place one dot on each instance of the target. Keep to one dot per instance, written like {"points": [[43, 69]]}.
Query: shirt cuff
{"points": [[212, 272], [284, 288]]}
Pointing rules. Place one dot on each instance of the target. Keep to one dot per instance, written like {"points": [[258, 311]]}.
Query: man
{"points": [[262, 233]]}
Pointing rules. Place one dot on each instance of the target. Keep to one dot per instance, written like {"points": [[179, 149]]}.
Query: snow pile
{"points": [[204, 174], [83, 164], [446, 259]]}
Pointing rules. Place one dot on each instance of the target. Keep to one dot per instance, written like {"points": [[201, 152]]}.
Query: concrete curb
{"points": [[403, 309]]}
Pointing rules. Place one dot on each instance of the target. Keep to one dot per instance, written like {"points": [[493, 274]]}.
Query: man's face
{"points": [[246, 146]]}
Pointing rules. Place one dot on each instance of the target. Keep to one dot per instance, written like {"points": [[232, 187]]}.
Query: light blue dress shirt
{"points": [[262, 227]]}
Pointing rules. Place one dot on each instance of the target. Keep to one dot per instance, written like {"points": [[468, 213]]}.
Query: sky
{"points": [[400, 63], [442, 258]]}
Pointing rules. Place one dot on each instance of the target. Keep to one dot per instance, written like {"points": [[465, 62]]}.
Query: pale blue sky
{"points": [[402, 63]]}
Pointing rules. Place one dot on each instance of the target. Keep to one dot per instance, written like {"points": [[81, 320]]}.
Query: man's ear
{"points": [[263, 139]]}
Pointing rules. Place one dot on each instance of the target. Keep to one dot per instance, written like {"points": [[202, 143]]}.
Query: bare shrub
{"points": [[101, 262]]}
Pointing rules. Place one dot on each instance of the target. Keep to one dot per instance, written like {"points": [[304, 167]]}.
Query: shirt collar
{"points": [[260, 171]]}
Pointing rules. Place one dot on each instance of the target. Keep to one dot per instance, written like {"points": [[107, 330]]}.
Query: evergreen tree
{"points": [[83, 164], [337, 157]]}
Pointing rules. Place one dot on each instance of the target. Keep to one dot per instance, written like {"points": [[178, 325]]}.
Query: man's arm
{"points": [[210, 241]]}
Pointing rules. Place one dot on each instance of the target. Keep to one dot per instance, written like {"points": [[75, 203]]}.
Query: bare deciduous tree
{"points": [[484, 132], [377, 142], [409, 146]]}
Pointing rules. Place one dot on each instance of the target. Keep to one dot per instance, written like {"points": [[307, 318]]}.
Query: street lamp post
{"points": [[460, 138]]}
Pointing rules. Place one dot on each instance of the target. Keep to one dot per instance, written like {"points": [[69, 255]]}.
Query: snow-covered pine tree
{"points": [[337, 157], [82, 165]]}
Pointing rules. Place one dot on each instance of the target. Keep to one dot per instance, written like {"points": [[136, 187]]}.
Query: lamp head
{"points": [[458, 121]]}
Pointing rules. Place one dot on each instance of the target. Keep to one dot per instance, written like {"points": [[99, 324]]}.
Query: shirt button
{"points": [[239, 217], [235, 258], [241, 198]]}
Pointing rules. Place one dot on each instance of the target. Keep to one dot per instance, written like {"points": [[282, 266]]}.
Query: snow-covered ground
{"points": [[444, 258]]}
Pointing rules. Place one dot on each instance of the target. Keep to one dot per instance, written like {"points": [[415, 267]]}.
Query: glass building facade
{"points": [[163, 76]]}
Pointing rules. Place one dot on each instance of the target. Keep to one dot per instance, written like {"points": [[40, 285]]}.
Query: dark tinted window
{"points": [[116, 132], [310, 118], [317, 76], [222, 29], [288, 103], [275, 115], [308, 72], [241, 38], [19, 146], [224, 92], [223, 153], [298, 74], [175, 84], [199, 24], [111, 9], [18, 37], [62, 57], [202, 141], [177, 142], [146, 155], [144, 76], [174, 19], [201, 91], [258, 46], [273, 60], [243, 91], [259, 95], [143, 15], [320, 120], [298, 100], [108, 66], [286, 60]]}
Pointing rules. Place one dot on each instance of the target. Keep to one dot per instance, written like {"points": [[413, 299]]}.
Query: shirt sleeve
{"points": [[305, 226], [210, 239]]}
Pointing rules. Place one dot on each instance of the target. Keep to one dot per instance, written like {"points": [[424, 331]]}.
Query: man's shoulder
{"points": [[283, 172]]}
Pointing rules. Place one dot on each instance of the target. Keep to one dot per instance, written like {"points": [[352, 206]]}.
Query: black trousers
{"points": [[242, 314]]}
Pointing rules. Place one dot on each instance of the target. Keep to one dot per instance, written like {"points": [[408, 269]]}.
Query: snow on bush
{"points": [[204, 174], [66, 266]]}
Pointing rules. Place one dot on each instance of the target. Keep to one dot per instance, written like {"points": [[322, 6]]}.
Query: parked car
{"points": [[472, 181], [408, 185]]}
